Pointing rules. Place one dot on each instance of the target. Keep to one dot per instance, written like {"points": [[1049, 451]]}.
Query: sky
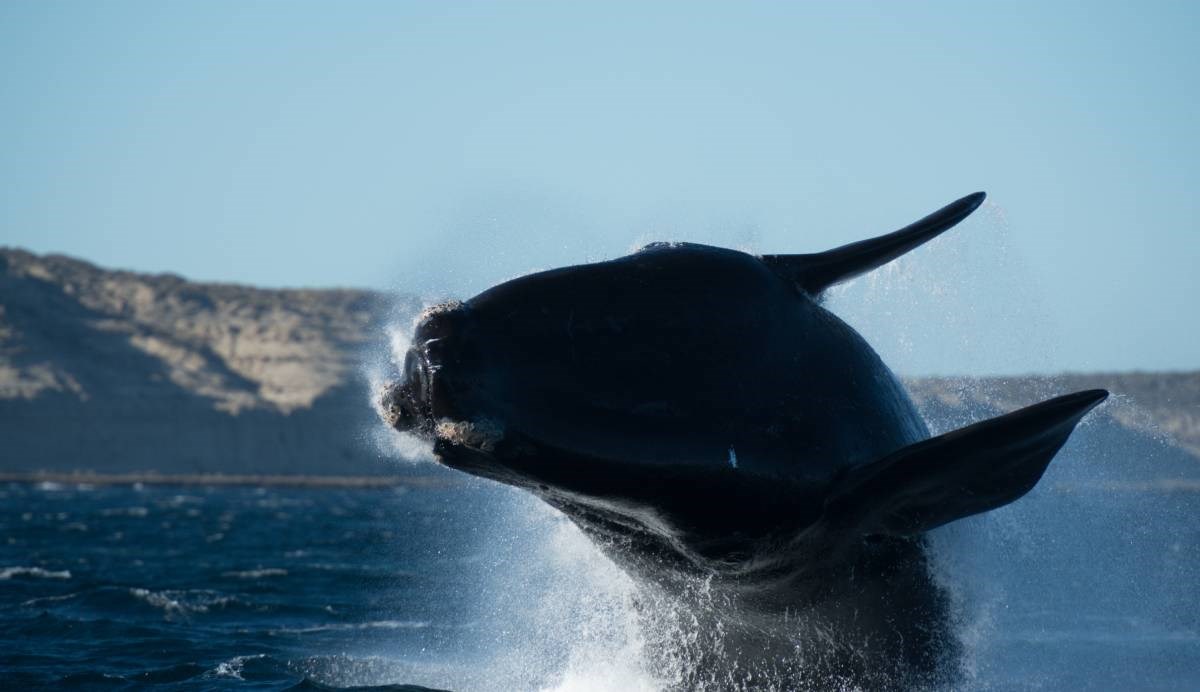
{"points": [[441, 147]]}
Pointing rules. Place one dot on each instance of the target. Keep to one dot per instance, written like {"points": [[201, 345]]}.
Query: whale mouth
{"points": [[435, 395], [396, 404], [400, 406], [405, 403]]}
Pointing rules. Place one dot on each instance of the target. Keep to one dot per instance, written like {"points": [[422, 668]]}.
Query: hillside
{"points": [[119, 372]]}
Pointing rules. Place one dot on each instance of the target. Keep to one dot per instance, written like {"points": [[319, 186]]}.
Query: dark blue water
{"points": [[216, 587], [474, 587]]}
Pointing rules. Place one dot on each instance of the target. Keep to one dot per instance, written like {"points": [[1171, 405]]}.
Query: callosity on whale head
{"points": [[697, 412]]}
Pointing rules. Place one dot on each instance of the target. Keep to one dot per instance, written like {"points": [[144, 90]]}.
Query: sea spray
{"points": [[1088, 551], [554, 612], [378, 370], [1078, 550], [966, 302]]}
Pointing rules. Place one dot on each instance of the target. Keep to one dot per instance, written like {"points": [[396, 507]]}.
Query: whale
{"points": [[704, 419]]}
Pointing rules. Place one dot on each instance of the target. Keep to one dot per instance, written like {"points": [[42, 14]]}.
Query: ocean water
{"points": [[473, 586], [120, 587]]}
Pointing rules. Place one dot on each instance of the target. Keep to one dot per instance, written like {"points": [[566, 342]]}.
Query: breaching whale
{"points": [[700, 416]]}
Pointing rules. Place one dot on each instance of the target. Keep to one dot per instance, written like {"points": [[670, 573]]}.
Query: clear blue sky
{"points": [[442, 147]]}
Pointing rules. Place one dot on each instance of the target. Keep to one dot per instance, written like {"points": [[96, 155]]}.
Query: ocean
{"points": [[471, 586]]}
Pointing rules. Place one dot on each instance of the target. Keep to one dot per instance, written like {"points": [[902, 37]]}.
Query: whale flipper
{"points": [[813, 273], [964, 472]]}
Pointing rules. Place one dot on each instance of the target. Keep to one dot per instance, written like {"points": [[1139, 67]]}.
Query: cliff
{"points": [[116, 371], [120, 372]]}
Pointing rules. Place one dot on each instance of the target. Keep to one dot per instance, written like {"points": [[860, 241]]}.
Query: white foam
{"points": [[181, 603], [566, 612], [256, 573], [348, 626], [380, 369], [37, 572], [233, 667]]}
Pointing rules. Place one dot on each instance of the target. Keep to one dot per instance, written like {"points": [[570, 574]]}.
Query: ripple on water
{"points": [[260, 573]]}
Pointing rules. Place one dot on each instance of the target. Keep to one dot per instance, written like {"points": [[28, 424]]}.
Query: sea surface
{"points": [[471, 586]]}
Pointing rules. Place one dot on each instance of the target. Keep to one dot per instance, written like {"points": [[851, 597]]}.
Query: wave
{"points": [[170, 601], [182, 602], [262, 671], [256, 573], [134, 604], [233, 667], [49, 599], [345, 626], [36, 572]]}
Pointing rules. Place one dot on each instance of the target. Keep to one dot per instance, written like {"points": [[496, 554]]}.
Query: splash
{"points": [[966, 302], [378, 372], [1095, 559]]}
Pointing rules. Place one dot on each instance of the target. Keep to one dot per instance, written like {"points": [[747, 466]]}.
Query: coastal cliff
{"points": [[114, 371], [122, 372]]}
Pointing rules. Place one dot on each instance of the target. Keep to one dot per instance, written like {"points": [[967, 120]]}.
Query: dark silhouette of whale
{"points": [[699, 415]]}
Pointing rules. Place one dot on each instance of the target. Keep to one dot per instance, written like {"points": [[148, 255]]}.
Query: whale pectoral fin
{"points": [[813, 273], [964, 472]]}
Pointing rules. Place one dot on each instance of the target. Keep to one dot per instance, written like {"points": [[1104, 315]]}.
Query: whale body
{"points": [[700, 415]]}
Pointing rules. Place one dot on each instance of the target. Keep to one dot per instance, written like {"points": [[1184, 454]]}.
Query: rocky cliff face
{"points": [[115, 371], [119, 371]]}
